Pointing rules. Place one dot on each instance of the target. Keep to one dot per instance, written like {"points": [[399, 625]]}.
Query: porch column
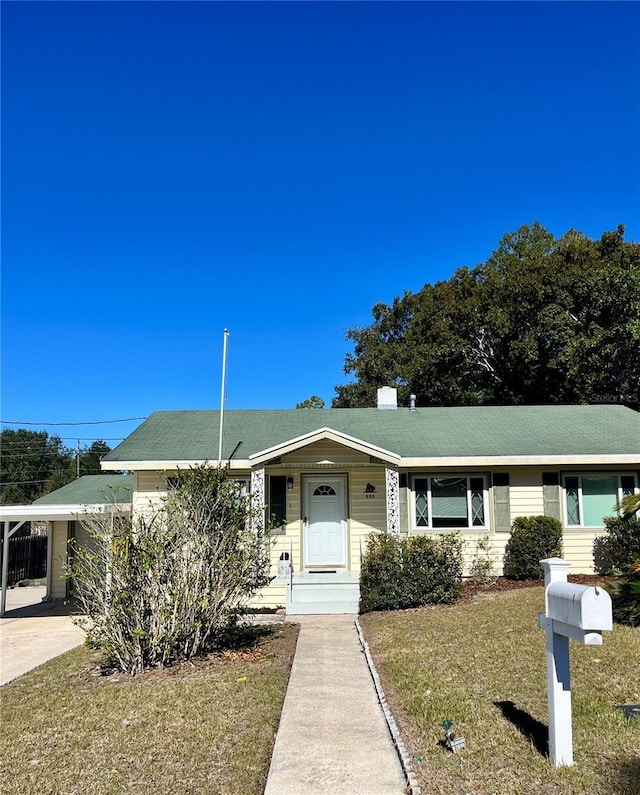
{"points": [[257, 498], [393, 501]]}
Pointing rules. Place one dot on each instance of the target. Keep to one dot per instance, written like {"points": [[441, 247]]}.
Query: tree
{"points": [[313, 402], [32, 463], [543, 320], [90, 458], [165, 586]]}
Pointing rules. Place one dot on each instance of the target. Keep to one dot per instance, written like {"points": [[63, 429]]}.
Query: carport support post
{"points": [[5, 561], [558, 676], [5, 568]]}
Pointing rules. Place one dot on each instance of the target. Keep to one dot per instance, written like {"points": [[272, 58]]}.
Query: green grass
{"points": [[201, 727], [460, 662]]}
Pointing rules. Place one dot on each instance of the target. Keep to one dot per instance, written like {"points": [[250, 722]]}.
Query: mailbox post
{"points": [[571, 611]]}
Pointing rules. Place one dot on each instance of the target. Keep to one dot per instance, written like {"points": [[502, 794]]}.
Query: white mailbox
{"points": [[572, 611], [579, 605]]}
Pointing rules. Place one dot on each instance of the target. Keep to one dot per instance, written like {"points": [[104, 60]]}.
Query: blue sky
{"points": [[172, 169]]}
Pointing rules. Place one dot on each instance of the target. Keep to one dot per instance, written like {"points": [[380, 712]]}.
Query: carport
{"points": [[88, 494]]}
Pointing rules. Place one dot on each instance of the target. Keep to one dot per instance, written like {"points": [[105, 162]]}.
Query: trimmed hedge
{"points": [[533, 538], [398, 573]]}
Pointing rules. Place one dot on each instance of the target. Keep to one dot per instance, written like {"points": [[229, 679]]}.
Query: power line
{"points": [[21, 482], [95, 422], [63, 438]]}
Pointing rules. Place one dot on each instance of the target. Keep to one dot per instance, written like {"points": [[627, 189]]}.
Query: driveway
{"points": [[33, 632]]}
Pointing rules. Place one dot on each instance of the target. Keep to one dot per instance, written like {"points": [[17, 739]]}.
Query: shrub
{"points": [[481, 569], [381, 574], [409, 572], [619, 547], [432, 569], [166, 586], [625, 596], [533, 538]]}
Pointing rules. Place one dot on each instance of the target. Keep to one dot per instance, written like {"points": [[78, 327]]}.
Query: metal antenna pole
{"points": [[224, 376]]}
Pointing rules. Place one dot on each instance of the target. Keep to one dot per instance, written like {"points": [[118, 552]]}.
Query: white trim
{"points": [[165, 465], [524, 460], [321, 434], [608, 459], [16, 513]]}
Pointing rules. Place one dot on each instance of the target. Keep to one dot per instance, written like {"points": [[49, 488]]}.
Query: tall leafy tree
{"points": [[90, 458], [313, 402], [32, 463], [543, 320]]}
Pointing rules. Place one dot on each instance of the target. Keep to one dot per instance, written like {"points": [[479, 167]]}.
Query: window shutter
{"points": [[404, 505], [501, 502], [551, 494], [277, 503]]}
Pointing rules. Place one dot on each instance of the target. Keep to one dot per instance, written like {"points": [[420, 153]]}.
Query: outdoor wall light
{"points": [[289, 484]]}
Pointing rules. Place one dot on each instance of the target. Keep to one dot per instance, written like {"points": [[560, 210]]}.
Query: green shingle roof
{"points": [[175, 436], [91, 490]]}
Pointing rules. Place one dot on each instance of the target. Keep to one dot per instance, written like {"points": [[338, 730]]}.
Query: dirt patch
{"points": [[471, 591]]}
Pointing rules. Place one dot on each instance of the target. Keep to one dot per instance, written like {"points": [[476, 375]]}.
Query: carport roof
{"points": [[88, 493], [91, 490]]}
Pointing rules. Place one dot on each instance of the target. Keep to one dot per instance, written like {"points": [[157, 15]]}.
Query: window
{"points": [[589, 497], [174, 484], [242, 485], [450, 502], [278, 500], [324, 491]]}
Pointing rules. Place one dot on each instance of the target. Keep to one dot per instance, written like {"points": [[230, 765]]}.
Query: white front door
{"points": [[325, 521]]}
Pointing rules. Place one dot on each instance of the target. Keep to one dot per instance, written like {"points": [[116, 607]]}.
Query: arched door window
{"points": [[324, 490]]}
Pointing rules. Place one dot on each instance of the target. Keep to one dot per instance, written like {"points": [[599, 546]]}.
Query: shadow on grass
{"points": [[242, 636], [536, 732], [624, 776]]}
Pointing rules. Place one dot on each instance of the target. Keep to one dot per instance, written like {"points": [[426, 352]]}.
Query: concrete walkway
{"points": [[332, 737], [33, 632]]}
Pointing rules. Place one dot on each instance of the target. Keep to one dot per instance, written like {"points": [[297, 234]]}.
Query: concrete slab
{"points": [[32, 632], [332, 737]]}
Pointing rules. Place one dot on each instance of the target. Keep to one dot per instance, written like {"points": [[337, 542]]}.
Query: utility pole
{"points": [[224, 376]]}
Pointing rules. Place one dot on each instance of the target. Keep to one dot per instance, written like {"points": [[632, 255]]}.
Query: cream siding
{"points": [[148, 490], [525, 492], [577, 548], [59, 536], [368, 511], [325, 451]]}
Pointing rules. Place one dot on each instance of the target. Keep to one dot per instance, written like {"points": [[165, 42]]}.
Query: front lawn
{"points": [[206, 726], [481, 663]]}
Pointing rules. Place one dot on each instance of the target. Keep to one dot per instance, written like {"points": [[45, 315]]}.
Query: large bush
{"points": [[625, 596], [533, 538], [619, 547], [166, 586], [406, 572], [618, 552]]}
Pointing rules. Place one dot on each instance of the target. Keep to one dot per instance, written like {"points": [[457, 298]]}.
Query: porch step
{"points": [[321, 608], [323, 594]]}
